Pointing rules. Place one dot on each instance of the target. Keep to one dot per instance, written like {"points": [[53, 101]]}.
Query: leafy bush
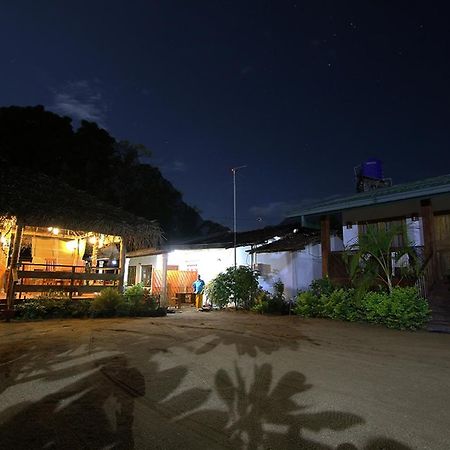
{"points": [[308, 305], [275, 303], [240, 284], [342, 304], [106, 303], [135, 292], [322, 286], [138, 305], [402, 309], [48, 308], [79, 308], [262, 299]]}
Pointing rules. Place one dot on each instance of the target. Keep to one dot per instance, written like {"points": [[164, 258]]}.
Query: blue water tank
{"points": [[372, 168]]}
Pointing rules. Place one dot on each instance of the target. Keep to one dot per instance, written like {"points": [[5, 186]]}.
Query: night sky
{"points": [[300, 92]]}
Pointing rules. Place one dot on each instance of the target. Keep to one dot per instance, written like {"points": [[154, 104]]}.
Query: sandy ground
{"points": [[214, 380]]}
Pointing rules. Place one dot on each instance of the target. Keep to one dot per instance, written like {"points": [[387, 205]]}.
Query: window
{"points": [[146, 277], [131, 278]]}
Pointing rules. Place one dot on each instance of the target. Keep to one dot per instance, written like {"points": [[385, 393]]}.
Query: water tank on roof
{"points": [[372, 168]]}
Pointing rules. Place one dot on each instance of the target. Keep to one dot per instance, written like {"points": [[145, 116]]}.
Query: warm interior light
{"points": [[55, 231], [71, 245], [3, 240], [50, 228], [92, 240]]}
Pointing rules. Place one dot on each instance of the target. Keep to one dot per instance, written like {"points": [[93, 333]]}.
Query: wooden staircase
{"points": [[439, 300]]}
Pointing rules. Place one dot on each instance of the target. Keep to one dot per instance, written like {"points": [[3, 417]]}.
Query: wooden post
{"points": [[325, 244], [94, 255], [164, 301], [426, 212], [72, 282], [13, 264], [122, 260]]}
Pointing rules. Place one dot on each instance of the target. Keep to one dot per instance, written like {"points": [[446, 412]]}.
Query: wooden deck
{"points": [[74, 280]]}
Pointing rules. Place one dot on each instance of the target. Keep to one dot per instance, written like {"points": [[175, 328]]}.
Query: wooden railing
{"points": [[425, 278], [70, 279]]}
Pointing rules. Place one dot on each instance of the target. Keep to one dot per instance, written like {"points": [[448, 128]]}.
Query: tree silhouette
{"points": [[90, 159]]}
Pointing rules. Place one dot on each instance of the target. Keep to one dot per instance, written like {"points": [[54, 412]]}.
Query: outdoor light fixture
{"points": [[50, 228], [55, 231], [92, 240]]}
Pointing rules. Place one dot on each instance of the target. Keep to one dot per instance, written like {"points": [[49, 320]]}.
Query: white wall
{"points": [[208, 262], [415, 231], [154, 260], [295, 269], [350, 235]]}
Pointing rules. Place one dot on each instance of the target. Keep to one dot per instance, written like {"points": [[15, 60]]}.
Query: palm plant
{"points": [[374, 257]]}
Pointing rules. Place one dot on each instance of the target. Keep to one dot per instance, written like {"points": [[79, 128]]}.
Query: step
{"points": [[439, 327]]}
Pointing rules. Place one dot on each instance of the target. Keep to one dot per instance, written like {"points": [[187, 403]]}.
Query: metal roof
{"points": [[421, 188]]}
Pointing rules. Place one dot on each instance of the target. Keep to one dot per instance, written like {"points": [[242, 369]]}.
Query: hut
{"points": [[55, 237]]}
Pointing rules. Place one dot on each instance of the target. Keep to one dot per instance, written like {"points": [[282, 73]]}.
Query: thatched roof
{"points": [[42, 201]]}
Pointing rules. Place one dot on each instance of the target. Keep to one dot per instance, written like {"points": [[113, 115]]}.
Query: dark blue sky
{"points": [[301, 92]]}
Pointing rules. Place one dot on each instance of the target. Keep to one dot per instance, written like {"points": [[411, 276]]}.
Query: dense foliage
{"points": [[275, 303], [238, 285], [402, 308], [90, 159], [109, 303]]}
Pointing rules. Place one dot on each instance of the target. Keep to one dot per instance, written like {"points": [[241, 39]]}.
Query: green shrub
{"points": [[261, 305], [137, 305], [79, 308], [272, 303], [106, 303], [320, 287], [308, 305], [277, 302], [45, 307], [341, 304], [240, 284], [134, 293], [402, 309]]}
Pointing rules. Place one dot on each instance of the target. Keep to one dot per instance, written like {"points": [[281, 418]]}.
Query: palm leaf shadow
{"points": [[262, 416]]}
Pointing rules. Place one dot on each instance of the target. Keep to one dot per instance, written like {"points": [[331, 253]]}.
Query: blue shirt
{"points": [[198, 286]]}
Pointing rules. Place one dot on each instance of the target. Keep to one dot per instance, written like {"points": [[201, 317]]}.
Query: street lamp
{"points": [[234, 169]]}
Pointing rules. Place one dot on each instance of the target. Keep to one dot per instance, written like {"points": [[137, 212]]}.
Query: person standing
{"points": [[199, 287]]}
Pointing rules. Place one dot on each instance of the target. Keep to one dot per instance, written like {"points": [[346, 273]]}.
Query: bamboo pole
{"points": [[122, 260], [14, 263]]}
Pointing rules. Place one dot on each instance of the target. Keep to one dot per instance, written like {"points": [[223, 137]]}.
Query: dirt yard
{"points": [[212, 380]]}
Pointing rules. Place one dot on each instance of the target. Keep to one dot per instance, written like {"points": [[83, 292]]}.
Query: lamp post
{"points": [[234, 169]]}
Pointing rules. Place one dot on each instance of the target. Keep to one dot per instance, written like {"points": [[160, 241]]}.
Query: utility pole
{"points": [[234, 170]]}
